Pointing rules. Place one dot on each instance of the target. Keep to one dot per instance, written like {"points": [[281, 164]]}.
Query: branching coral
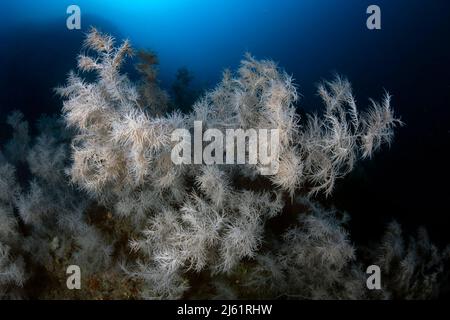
{"points": [[134, 220], [184, 95], [314, 259], [414, 269], [121, 152], [12, 273], [45, 221], [151, 95]]}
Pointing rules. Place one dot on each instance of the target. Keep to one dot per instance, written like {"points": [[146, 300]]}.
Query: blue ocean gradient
{"points": [[310, 38]]}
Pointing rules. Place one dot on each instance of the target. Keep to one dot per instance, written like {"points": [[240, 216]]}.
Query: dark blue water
{"points": [[311, 39]]}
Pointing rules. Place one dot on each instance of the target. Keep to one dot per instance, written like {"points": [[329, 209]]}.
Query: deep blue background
{"points": [[311, 39]]}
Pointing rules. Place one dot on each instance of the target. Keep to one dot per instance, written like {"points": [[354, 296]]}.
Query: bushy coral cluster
{"points": [[102, 192]]}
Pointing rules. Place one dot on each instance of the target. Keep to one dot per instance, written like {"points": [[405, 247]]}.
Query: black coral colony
{"points": [[100, 191]]}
